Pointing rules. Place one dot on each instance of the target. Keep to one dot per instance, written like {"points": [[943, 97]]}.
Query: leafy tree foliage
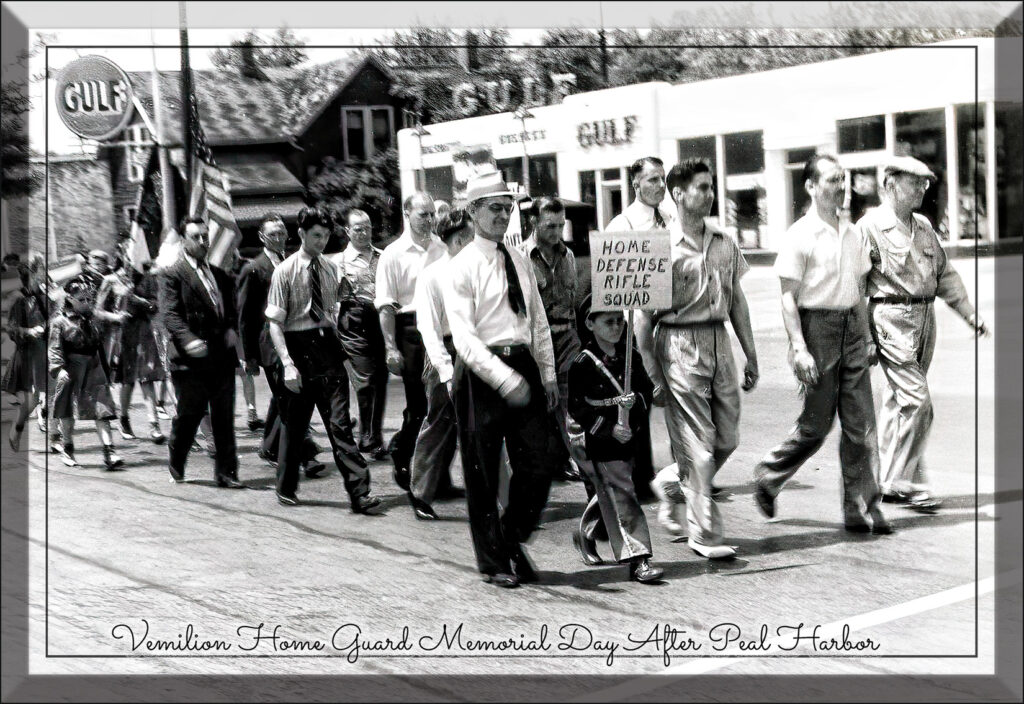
{"points": [[18, 179], [252, 52], [372, 185]]}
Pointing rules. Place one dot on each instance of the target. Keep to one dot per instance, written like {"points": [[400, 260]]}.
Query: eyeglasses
{"points": [[498, 208]]}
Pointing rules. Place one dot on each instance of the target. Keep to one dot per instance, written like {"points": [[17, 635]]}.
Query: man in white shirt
{"points": [[505, 384], [646, 212], [397, 271], [439, 434], [822, 265], [360, 331]]}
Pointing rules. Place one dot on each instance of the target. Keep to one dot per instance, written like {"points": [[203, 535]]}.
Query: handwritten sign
{"points": [[631, 270]]}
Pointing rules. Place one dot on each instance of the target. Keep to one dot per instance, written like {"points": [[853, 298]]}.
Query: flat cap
{"points": [[908, 165]]}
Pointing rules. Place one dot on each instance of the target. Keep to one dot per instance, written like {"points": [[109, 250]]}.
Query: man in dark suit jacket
{"points": [[257, 347], [198, 310]]}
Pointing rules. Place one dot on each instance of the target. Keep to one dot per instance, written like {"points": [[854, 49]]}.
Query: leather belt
{"points": [[603, 402], [903, 300], [509, 350], [560, 327]]}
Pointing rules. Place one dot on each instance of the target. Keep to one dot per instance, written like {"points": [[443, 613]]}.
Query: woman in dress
{"points": [[26, 326]]}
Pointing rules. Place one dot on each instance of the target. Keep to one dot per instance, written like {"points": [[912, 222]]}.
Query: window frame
{"points": [[367, 114]]}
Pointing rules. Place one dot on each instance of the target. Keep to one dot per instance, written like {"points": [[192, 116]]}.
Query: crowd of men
{"points": [[502, 359]]}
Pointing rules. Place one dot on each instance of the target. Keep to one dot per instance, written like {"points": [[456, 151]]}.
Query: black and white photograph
{"points": [[599, 351]]}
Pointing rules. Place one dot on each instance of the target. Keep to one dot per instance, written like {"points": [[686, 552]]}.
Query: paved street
{"points": [[120, 548]]}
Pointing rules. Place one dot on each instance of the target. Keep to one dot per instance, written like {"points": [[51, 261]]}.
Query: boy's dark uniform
{"points": [[592, 405]]}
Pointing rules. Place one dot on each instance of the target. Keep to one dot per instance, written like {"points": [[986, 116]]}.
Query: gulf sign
{"points": [[94, 97]]}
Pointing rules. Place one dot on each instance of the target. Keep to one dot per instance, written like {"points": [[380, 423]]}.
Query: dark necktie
{"points": [[515, 290], [658, 220], [316, 305]]}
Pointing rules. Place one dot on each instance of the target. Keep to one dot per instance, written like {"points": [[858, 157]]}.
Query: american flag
{"points": [[211, 192]]}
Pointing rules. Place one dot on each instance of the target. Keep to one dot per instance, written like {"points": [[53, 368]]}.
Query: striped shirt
{"points": [[290, 297]]}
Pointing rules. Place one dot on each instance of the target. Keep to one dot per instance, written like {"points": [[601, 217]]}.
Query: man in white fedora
{"points": [[505, 384]]}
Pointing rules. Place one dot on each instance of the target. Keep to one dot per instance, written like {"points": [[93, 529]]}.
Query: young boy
{"points": [[75, 363], [596, 392]]}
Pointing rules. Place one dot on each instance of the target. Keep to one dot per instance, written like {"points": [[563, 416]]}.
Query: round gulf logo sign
{"points": [[94, 97]]}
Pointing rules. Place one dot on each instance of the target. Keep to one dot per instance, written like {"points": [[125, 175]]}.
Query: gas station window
{"points": [[744, 153], [1009, 183], [922, 135], [861, 134], [438, 183], [702, 148], [971, 171]]}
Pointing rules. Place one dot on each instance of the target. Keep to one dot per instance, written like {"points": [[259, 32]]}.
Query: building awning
{"points": [[249, 211]]}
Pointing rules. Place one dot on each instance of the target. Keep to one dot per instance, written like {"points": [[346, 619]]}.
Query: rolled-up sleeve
{"points": [[387, 279], [460, 307], [430, 323], [277, 297], [950, 287]]}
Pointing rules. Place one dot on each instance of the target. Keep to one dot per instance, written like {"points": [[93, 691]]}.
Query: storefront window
{"points": [[865, 191], [588, 195], [861, 134], [1009, 184], [922, 135], [798, 196], [702, 148], [745, 215], [744, 153], [511, 171], [543, 175], [970, 144]]}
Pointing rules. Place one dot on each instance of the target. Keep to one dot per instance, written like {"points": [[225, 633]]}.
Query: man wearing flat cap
{"points": [[504, 382], [908, 270]]}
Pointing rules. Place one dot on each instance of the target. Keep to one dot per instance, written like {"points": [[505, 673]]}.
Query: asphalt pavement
{"points": [[115, 551]]}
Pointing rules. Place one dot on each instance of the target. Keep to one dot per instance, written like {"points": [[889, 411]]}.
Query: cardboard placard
{"points": [[631, 270]]}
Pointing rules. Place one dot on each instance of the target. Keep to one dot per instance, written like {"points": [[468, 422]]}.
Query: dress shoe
{"points": [[524, 569], [267, 457], [643, 571], [67, 454], [255, 423], [667, 488], [161, 412], [286, 500], [364, 503], [126, 428], [857, 528], [401, 475], [713, 552], [923, 502], [110, 459], [313, 469], [765, 501], [155, 435], [879, 526], [506, 581], [587, 549], [176, 476], [422, 509], [896, 497], [227, 482], [380, 454]]}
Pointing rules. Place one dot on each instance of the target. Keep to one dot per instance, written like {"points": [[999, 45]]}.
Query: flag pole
{"points": [[186, 95], [166, 174]]}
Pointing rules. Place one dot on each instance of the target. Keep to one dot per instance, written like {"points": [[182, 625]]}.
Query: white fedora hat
{"points": [[487, 185]]}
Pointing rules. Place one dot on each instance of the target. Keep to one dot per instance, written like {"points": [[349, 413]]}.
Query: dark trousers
{"points": [[438, 437], [273, 428], [198, 391], [615, 505], [837, 340], [367, 370], [318, 357], [485, 422], [410, 345]]}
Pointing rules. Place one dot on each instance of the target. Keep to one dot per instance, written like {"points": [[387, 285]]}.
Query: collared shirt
{"points": [[431, 320], [910, 262], [209, 283], [556, 281], [828, 264], [640, 216], [359, 269], [399, 265], [274, 257], [480, 316], [705, 275], [290, 296]]}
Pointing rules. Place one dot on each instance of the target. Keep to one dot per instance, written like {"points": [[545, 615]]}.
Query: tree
{"points": [[17, 173], [252, 52], [569, 50], [371, 185]]}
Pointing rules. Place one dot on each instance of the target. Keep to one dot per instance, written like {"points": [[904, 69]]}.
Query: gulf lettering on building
{"points": [[631, 270], [94, 97]]}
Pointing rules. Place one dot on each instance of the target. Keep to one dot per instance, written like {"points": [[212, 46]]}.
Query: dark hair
{"points": [[309, 217], [682, 173], [189, 220], [547, 204], [270, 216], [24, 272], [811, 172], [638, 165], [452, 222]]}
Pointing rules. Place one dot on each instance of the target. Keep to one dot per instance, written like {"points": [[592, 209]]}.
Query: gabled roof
{"points": [[235, 109]]}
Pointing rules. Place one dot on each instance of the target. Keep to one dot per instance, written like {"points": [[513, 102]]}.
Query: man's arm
{"points": [[739, 315], [252, 292], [643, 330], [173, 314], [429, 323], [950, 288], [802, 361], [386, 304], [292, 378]]}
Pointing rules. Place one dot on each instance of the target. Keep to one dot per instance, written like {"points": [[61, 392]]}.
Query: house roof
{"points": [[235, 109], [80, 204]]}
